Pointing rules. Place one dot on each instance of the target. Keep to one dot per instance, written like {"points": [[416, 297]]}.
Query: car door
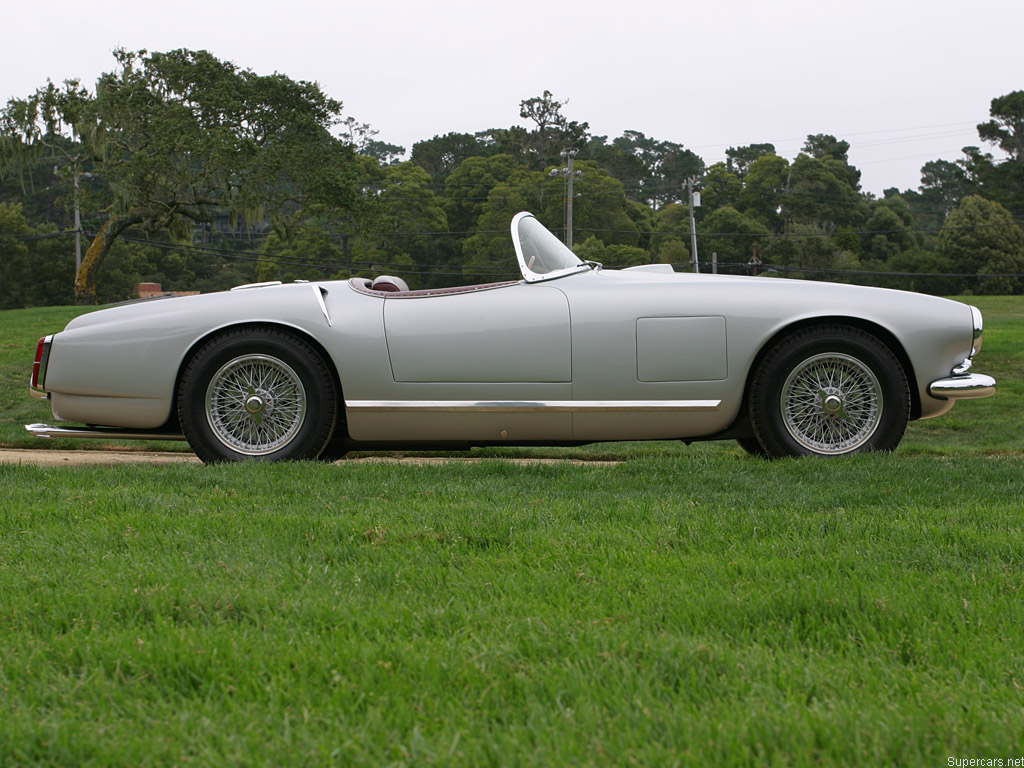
{"points": [[480, 365]]}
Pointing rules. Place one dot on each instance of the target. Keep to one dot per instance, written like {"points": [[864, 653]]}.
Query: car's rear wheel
{"points": [[829, 391], [257, 395]]}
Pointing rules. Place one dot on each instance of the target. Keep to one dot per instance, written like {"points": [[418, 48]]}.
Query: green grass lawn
{"points": [[688, 606]]}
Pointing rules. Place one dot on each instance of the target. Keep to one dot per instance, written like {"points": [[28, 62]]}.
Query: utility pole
{"points": [[693, 224], [568, 155], [78, 228], [754, 263]]}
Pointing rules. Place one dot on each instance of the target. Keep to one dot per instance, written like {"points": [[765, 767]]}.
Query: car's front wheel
{"points": [[257, 394], [828, 391]]}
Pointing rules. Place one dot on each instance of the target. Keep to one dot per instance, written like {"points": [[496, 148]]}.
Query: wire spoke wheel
{"points": [[831, 403], [255, 404], [258, 394], [828, 390]]}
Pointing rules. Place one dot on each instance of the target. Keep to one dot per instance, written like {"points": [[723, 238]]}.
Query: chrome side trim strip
{"points": [[545, 406], [99, 433], [972, 385]]}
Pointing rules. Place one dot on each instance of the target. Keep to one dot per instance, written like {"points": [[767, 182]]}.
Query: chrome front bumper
{"points": [[962, 385], [966, 386]]}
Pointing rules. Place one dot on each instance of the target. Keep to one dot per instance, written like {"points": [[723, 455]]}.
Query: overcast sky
{"points": [[904, 81]]}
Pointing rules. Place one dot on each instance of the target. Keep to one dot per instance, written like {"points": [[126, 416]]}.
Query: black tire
{"points": [[829, 391], [751, 446], [336, 449], [257, 395]]}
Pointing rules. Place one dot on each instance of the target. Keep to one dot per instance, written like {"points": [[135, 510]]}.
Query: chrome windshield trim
{"points": [[539, 406], [973, 385], [547, 238]]}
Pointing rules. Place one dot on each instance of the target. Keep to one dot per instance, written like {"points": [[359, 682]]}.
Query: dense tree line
{"points": [[197, 174]]}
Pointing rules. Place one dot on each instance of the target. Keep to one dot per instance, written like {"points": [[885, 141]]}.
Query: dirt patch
{"points": [[46, 458]]}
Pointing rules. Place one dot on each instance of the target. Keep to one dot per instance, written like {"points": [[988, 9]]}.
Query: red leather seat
{"points": [[389, 284]]}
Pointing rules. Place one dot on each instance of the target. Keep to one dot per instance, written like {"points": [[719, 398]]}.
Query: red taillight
{"points": [[39, 366]]}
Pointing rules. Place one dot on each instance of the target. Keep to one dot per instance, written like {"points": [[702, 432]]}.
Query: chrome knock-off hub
{"points": [[833, 405], [256, 405]]}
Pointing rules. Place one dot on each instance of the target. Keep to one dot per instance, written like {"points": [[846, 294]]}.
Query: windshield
{"points": [[542, 256]]}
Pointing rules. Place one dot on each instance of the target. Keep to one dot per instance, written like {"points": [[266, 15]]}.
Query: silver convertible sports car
{"points": [[569, 354]]}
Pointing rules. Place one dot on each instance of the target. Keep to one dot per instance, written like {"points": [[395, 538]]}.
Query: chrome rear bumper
{"points": [[971, 385], [100, 433]]}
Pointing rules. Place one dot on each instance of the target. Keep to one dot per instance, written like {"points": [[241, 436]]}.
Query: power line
{"points": [[49, 236]]}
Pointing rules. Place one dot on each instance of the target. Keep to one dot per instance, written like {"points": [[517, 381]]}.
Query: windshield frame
{"points": [[540, 240]]}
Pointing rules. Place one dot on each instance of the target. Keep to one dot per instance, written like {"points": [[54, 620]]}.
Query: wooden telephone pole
{"points": [[693, 225]]}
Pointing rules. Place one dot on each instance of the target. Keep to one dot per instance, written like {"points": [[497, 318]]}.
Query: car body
{"points": [[571, 353]]}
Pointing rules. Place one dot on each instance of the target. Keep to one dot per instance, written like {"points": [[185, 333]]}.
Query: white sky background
{"points": [[904, 81]]}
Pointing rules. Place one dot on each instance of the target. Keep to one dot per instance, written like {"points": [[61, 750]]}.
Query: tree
{"points": [[721, 187], [611, 256], [468, 186], [600, 206], [1006, 128], [823, 146], [1002, 182], [304, 250], [820, 193], [670, 242], [731, 235], [981, 237], [739, 159], [554, 131], [764, 190], [386, 154], [513, 140], [361, 137], [621, 163], [666, 166], [930, 266], [489, 253], [810, 248], [943, 185], [441, 155], [887, 231], [15, 270], [412, 220], [601, 209], [36, 263], [182, 136]]}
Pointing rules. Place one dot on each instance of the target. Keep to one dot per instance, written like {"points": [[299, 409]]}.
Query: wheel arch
{"points": [[880, 332], [319, 348]]}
